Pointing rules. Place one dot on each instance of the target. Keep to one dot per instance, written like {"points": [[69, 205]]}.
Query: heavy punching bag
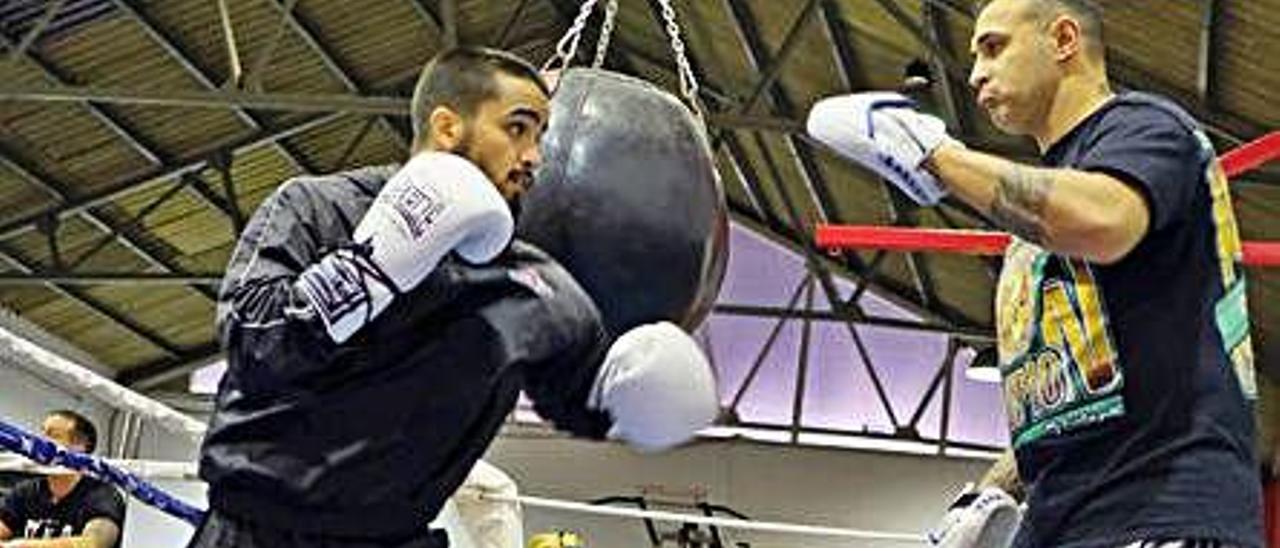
{"points": [[629, 201]]}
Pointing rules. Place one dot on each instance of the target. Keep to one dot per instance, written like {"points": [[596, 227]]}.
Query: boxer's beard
{"points": [[514, 204], [464, 146], [463, 149]]}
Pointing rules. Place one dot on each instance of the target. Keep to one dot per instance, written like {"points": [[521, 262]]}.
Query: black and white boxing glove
{"points": [[437, 203], [657, 386], [884, 132], [978, 519]]}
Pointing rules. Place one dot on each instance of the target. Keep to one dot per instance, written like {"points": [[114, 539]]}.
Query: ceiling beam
{"points": [[210, 99], [899, 293], [310, 34], [449, 14], [756, 52], [43, 277], [50, 12], [226, 205], [314, 103], [109, 118], [203, 75], [428, 11], [852, 73], [1208, 54], [770, 74], [127, 236], [500, 40], [158, 175], [904, 212], [850, 266], [61, 191], [952, 91], [150, 375], [79, 296], [947, 62]]}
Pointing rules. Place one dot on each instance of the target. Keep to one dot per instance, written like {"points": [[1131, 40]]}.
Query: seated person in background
{"points": [[64, 510]]}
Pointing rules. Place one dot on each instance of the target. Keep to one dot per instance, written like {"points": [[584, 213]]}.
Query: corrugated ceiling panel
{"points": [[1248, 61], [105, 340], [390, 38]]}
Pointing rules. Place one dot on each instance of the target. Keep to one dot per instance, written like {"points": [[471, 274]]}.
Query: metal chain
{"points": [[606, 33], [567, 47], [688, 81]]}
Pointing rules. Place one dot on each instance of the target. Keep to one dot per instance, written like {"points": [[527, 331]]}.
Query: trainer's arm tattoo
{"points": [[1019, 205]]}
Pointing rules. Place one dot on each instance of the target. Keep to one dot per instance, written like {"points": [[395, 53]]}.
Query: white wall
{"points": [[25, 400], [147, 526], [841, 488], [831, 487]]}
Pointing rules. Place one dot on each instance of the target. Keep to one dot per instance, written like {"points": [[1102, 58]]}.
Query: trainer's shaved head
{"points": [[1086, 13], [1034, 60]]}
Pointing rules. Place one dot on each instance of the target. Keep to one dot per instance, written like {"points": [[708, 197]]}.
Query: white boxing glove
{"points": [[884, 132], [657, 386], [436, 203], [979, 519]]}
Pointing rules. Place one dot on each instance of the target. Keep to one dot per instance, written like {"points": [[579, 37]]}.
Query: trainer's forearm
{"points": [[1071, 212], [65, 542]]}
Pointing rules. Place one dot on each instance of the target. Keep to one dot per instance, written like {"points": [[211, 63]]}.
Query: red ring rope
{"points": [[979, 242]]}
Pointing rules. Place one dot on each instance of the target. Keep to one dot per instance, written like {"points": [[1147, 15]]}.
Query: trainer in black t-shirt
{"points": [[1126, 384], [30, 512]]}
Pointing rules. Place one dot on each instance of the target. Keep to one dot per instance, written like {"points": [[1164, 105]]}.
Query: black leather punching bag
{"points": [[629, 201]]}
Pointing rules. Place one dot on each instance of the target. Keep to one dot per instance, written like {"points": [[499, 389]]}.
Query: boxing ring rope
{"points": [[149, 469], [982, 242], [972, 242], [46, 452], [1251, 155], [50, 366], [114, 471], [726, 523], [37, 455]]}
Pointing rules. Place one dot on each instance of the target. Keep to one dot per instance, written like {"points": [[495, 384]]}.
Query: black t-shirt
{"points": [[1126, 385], [29, 511]]}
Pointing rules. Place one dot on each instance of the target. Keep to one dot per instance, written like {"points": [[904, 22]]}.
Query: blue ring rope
{"points": [[46, 452]]}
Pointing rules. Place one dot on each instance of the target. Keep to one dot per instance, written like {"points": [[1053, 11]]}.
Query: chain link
{"points": [[567, 47], [688, 81], [606, 33]]}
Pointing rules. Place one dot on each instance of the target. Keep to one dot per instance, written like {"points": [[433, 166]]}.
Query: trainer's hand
{"points": [[978, 519]]}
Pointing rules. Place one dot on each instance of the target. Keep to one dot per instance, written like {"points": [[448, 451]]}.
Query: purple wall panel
{"points": [[839, 394]]}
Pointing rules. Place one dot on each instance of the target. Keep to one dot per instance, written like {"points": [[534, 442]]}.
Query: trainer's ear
{"points": [[1067, 36]]}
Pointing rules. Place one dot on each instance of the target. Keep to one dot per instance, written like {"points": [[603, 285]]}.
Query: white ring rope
{"points": [[150, 469], [727, 523], [147, 469], [48, 365]]}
